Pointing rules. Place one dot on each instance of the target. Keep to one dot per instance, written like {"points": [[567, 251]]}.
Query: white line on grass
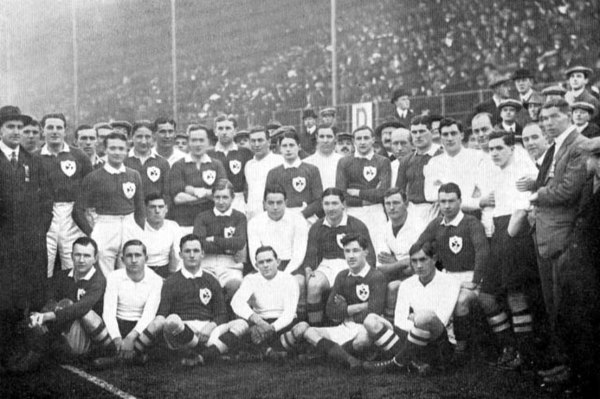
{"points": [[101, 383]]}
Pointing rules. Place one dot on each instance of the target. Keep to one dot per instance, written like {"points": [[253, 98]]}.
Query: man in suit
{"points": [[559, 185], [509, 109], [308, 136], [402, 113], [524, 79], [383, 133], [582, 113], [25, 215], [579, 77], [500, 84]]}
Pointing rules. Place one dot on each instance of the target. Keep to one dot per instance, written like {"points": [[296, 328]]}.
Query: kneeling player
{"points": [[266, 304], [71, 315], [130, 304], [357, 291], [191, 307], [425, 303]]}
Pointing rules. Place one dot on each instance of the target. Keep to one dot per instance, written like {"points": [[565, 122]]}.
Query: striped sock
{"points": [[184, 338], [144, 341], [315, 314], [500, 325], [388, 341], [388, 313], [289, 341], [100, 335]]}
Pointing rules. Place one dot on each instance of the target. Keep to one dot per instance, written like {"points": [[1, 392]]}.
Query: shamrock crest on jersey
{"points": [[68, 167], [205, 295], [129, 189], [153, 173]]}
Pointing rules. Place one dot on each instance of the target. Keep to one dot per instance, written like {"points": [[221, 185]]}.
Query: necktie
{"points": [[546, 163], [13, 160]]}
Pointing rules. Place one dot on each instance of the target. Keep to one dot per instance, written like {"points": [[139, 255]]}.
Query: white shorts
{"points": [[424, 213], [239, 203], [331, 267], [343, 333], [185, 230], [374, 218], [463, 277], [223, 267], [60, 237]]}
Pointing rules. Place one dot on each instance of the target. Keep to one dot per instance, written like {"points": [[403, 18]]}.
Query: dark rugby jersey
{"points": [[154, 173], [411, 179], [234, 163], [66, 171], [229, 231], [370, 176], [302, 184]]}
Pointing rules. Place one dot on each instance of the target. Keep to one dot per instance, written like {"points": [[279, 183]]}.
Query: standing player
{"points": [[343, 144], [86, 138], [162, 237], [192, 178], [265, 306], [191, 307], [31, 136], [325, 158], [72, 312], [301, 181], [164, 128], [131, 300], [357, 291], [401, 146], [153, 168], [102, 130], [364, 177], [257, 169], [66, 168], [325, 253], [114, 193], [222, 231], [423, 310], [233, 158]]}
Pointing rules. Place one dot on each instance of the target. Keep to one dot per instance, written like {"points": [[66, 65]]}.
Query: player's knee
{"points": [[463, 304], [91, 320], [238, 327], [488, 303], [173, 323], [373, 323], [424, 318], [63, 303], [361, 342], [517, 301], [156, 325], [300, 329]]}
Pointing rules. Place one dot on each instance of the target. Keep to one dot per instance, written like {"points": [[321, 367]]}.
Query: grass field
{"points": [[165, 378]]}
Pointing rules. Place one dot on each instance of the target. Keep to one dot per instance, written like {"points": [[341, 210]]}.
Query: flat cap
{"points": [[241, 133], [554, 90], [273, 124], [584, 106], [344, 135], [123, 124], [535, 98], [510, 102], [498, 80], [522, 73], [327, 111]]}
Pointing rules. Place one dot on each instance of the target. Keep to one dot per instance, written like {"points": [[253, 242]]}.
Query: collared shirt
{"points": [[402, 113], [87, 276], [256, 172], [163, 244], [526, 96], [186, 273], [558, 142], [125, 299], [363, 272], [327, 165], [114, 171], [507, 198], [9, 151], [219, 147], [226, 213], [203, 159], [132, 154], [509, 128], [45, 151], [295, 164], [399, 244], [369, 156], [343, 222], [582, 127], [176, 155], [454, 222]]}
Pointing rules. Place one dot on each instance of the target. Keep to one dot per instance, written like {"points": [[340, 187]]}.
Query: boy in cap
{"points": [[582, 112]]}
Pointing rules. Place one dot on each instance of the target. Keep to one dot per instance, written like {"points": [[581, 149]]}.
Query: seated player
{"points": [[191, 307], [357, 291], [402, 230], [325, 252], [463, 253], [71, 314], [130, 304], [161, 236], [223, 234], [266, 306], [425, 304]]}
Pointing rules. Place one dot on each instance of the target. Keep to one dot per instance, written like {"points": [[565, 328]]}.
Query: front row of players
{"points": [[188, 310]]}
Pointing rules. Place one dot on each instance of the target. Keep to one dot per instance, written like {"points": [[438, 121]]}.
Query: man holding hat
{"points": [[26, 213], [308, 135], [500, 84], [402, 113], [582, 112]]}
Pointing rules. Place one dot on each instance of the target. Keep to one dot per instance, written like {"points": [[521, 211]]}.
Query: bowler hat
{"points": [[522, 73], [13, 113], [308, 113], [396, 94]]}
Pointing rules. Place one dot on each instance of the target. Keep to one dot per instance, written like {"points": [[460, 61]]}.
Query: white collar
{"points": [[219, 147], [577, 93], [189, 275], [312, 130], [526, 96], [296, 164], [362, 273], [148, 227], [45, 151], [204, 159], [8, 151], [95, 159], [88, 275], [582, 127], [343, 222], [434, 148], [132, 154], [369, 156], [454, 222], [402, 112], [558, 141], [112, 170], [509, 128], [228, 212]]}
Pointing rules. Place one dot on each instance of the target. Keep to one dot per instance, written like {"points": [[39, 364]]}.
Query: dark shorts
{"points": [[283, 264], [125, 326], [512, 266]]}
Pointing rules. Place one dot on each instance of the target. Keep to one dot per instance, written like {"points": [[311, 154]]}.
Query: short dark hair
{"points": [[360, 239], [422, 120], [224, 184], [134, 243], [86, 241], [560, 103], [162, 120], [290, 134], [333, 191], [153, 197], [446, 122], [229, 118], [334, 129], [115, 136], [57, 115], [33, 122], [187, 238], [265, 248], [260, 129], [274, 189], [450, 188], [83, 127], [429, 248], [140, 124], [507, 137], [197, 126], [393, 191], [363, 127]]}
